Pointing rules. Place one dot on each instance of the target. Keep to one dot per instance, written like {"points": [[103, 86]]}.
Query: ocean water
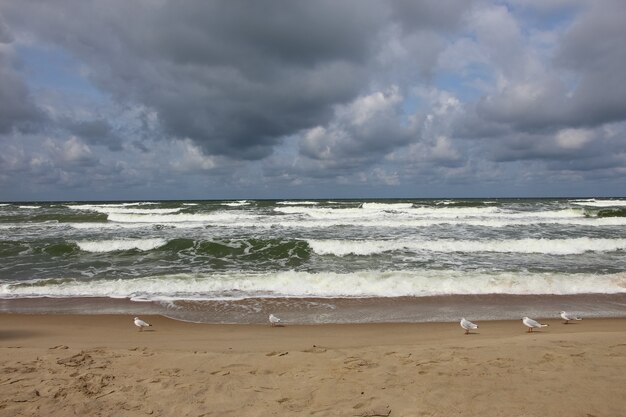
{"points": [[316, 261]]}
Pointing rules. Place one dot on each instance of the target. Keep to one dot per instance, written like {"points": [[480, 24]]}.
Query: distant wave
{"points": [[592, 202], [545, 246], [409, 210], [306, 218], [124, 209], [374, 211], [298, 203], [126, 217], [30, 219], [466, 203], [386, 206], [236, 203], [301, 214]]}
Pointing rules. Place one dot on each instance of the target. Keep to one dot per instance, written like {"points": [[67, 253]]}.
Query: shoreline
{"points": [[449, 308], [101, 365]]}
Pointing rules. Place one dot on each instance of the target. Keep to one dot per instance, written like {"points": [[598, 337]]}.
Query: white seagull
{"points": [[274, 320], [532, 324], [568, 316], [141, 324], [468, 325]]}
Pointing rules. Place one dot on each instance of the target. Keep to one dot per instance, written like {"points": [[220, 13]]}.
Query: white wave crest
{"points": [[392, 215], [406, 212], [297, 203], [386, 206], [236, 203], [124, 209], [592, 202], [223, 218], [544, 246], [118, 245], [325, 285], [321, 219]]}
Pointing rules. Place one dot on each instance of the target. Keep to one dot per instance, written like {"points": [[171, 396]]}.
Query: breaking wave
{"points": [[329, 285]]}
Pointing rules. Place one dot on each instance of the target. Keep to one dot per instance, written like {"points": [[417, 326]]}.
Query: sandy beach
{"points": [[62, 365]]}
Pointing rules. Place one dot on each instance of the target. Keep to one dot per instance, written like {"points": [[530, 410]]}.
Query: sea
{"points": [[316, 261]]}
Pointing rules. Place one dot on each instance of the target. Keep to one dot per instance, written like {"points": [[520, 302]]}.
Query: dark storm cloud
{"points": [[5, 33], [275, 33], [92, 129], [17, 108], [430, 14], [594, 48], [575, 150], [97, 132], [233, 76]]}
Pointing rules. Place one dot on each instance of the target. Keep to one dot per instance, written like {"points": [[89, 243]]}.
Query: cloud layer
{"points": [[233, 99]]}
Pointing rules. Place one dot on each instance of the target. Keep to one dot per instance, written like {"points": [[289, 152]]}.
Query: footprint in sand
{"points": [[277, 353], [80, 359], [315, 349], [380, 411], [357, 363]]}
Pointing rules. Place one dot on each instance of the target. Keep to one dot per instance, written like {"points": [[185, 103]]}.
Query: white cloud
{"points": [[573, 138], [366, 109], [192, 158], [444, 150], [372, 123], [74, 150]]}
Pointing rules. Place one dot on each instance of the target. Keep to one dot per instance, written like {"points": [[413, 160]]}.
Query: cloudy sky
{"points": [[201, 99]]}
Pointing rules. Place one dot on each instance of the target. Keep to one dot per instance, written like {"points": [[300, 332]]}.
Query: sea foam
{"points": [[119, 245], [545, 246], [326, 285]]}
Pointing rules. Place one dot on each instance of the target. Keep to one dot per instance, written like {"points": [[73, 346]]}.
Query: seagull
{"points": [[532, 324], [141, 324], [568, 316], [274, 320], [468, 325]]}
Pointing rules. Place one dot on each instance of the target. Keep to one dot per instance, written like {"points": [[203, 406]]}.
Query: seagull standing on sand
{"points": [[274, 320], [567, 317], [532, 324], [468, 325], [141, 324]]}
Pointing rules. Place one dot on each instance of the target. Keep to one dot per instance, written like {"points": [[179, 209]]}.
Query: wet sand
{"points": [[335, 310], [59, 365]]}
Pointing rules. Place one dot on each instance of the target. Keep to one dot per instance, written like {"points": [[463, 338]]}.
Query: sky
{"points": [[234, 99]]}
